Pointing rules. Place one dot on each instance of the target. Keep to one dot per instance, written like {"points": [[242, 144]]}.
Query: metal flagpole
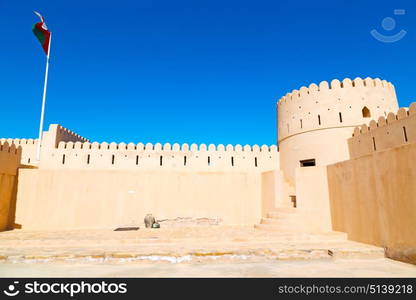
{"points": [[43, 101]]}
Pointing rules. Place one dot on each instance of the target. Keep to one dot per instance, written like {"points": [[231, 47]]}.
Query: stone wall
{"points": [[396, 129], [9, 162], [373, 199], [157, 157], [68, 199]]}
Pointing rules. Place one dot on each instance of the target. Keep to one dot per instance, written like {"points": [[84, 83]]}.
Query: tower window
{"points": [[319, 119], [366, 112], [340, 117], [308, 163], [301, 125]]}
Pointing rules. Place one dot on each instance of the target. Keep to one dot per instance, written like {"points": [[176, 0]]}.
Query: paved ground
{"points": [[200, 251], [380, 267]]}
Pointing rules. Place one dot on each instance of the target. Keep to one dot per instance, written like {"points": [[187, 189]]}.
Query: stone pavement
{"points": [[166, 251]]}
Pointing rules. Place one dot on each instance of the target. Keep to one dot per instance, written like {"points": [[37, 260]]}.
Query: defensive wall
{"points": [[315, 122], [156, 157], [105, 185], [50, 140], [10, 156], [386, 133], [372, 195], [79, 184], [76, 198]]}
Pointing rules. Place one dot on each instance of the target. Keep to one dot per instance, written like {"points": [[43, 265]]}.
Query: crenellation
{"points": [[76, 155], [10, 156], [395, 130]]}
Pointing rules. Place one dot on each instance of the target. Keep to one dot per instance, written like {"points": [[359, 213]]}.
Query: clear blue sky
{"points": [[189, 71]]}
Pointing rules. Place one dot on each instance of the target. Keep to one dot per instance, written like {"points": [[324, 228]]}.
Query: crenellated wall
{"points": [[51, 138], [315, 122], [56, 134], [161, 157], [28, 147], [9, 163], [395, 130]]}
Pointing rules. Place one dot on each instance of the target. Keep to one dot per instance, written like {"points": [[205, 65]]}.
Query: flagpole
{"points": [[45, 85]]}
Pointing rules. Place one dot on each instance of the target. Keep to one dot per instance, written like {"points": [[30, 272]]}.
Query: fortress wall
{"points": [[51, 138], [28, 147], [373, 199], [9, 162], [56, 134], [314, 122], [73, 199], [157, 157], [312, 199], [395, 130]]}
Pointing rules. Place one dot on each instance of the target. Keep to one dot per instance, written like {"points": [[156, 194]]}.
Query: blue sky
{"points": [[189, 71]]}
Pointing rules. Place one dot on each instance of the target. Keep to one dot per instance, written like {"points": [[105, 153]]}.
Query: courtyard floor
{"points": [[199, 251]]}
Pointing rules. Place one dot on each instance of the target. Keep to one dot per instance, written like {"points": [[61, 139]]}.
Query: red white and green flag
{"points": [[42, 33]]}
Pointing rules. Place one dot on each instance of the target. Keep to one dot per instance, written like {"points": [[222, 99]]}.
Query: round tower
{"points": [[315, 122]]}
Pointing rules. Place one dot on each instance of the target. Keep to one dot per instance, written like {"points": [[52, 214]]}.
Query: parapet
{"points": [[392, 131], [9, 158], [78, 155], [57, 134], [50, 140], [335, 104]]}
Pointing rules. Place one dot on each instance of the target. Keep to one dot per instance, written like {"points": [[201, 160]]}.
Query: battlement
{"points": [[345, 103], [395, 130], [19, 142], [335, 84], [166, 147], [51, 138], [157, 156], [58, 133], [9, 158]]}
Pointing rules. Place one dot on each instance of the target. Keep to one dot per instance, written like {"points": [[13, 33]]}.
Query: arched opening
{"points": [[366, 112]]}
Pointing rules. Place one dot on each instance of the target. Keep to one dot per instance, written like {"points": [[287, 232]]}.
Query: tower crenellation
{"points": [[337, 104]]}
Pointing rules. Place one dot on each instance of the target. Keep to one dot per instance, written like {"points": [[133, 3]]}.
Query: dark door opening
{"points": [[308, 163], [293, 200]]}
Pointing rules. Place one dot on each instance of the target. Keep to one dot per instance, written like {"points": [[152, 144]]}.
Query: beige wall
{"points": [[269, 191], [106, 199], [56, 134], [28, 149], [301, 136], [396, 129], [373, 199], [312, 199], [51, 138], [9, 162], [326, 146], [156, 157]]}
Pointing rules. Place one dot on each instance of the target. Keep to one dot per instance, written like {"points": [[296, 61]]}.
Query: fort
{"points": [[342, 162]]}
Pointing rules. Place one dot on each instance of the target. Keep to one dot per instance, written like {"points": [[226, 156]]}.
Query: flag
{"points": [[42, 33]]}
